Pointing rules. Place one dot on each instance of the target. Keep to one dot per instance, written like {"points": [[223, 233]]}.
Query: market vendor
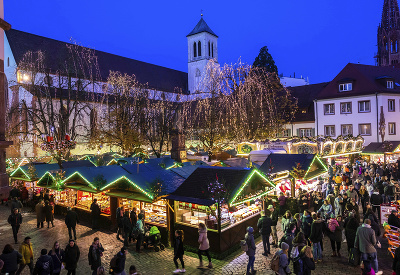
{"points": [[393, 220]]}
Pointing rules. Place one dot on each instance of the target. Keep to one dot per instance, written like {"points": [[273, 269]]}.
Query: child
{"points": [[178, 251]]}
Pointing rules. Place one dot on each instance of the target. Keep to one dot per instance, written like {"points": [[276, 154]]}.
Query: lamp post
{"points": [[4, 183]]}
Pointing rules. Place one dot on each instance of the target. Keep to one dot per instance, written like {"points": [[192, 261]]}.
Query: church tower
{"points": [[389, 34], [202, 46]]}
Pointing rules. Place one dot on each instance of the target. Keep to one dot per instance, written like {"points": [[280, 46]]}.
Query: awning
{"points": [[381, 148], [129, 195], [191, 200]]}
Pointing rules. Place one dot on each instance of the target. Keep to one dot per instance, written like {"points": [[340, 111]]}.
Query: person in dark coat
{"points": [[120, 224], [44, 264], [288, 238], [120, 264], [71, 258], [376, 201], [374, 222], [308, 261], [15, 193], [251, 252], [274, 221], [396, 261], [48, 210], [393, 219], [15, 203], [15, 220], [96, 211], [179, 251], [306, 222], [71, 219], [57, 254], [351, 224], [133, 217], [316, 236], [336, 237], [264, 228], [11, 258], [40, 215], [94, 256], [127, 227]]}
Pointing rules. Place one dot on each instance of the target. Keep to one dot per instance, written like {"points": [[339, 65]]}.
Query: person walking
{"points": [[178, 251], [274, 222], [44, 264], [10, 258], [71, 219], [120, 217], [15, 203], [57, 254], [376, 201], [264, 228], [72, 254], [308, 262], [96, 212], [316, 236], [140, 232], [15, 220], [366, 242], [351, 224], [204, 245], [94, 256], [26, 251], [335, 235], [127, 228], [283, 253], [119, 268], [251, 251], [40, 215], [48, 210]]}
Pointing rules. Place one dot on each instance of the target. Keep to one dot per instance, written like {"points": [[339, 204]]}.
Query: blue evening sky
{"points": [[314, 38]]}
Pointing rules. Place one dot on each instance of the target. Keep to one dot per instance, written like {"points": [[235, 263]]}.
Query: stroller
{"points": [[152, 238]]}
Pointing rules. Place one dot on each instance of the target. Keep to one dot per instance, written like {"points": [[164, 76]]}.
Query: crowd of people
{"points": [[344, 207]]}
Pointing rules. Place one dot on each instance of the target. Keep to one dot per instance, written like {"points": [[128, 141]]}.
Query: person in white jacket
{"points": [[370, 188], [204, 245]]}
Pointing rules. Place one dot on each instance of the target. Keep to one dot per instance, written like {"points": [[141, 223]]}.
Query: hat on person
{"points": [[27, 238], [284, 246], [43, 252], [250, 229], [270, 207]]}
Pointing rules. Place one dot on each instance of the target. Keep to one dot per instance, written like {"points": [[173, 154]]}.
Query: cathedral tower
{"points": [[389, 34], [202, 46]]}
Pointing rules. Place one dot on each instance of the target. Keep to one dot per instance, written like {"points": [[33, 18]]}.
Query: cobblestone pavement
{"points": [[151, 262]]}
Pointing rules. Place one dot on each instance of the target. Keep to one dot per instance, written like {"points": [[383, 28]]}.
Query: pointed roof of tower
{"points": [[201, 27], [390, 15]]}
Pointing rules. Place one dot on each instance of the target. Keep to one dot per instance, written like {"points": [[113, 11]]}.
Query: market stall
{"points": [[388, 151], [194, 201]]}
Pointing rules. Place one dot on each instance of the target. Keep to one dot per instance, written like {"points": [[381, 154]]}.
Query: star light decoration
{"points": [[61, 147]]}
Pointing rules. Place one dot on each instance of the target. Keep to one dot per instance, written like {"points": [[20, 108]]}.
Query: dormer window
{"points": [[389, 84], [345, 87]]}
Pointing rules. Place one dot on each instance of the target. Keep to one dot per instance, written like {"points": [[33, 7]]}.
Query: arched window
{"points": [[212, 49], [199, 48], [209, 48], [194, 50]]}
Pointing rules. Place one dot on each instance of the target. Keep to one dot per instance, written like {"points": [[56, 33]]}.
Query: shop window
{"points": [[329, 109], [364, 129], [364, 106], [391, 105], [154, 213], [392, 128], [330, 130], [345, 108], [347, 129]]}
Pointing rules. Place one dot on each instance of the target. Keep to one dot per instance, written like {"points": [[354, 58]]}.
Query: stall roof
{"points": [[158, 162], [285, 162], [379, 148], [194, 188], [128, 195], [185, 171], [237, 162]]}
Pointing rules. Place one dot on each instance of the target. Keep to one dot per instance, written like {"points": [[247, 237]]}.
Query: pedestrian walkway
{"points": [[151, 262]]}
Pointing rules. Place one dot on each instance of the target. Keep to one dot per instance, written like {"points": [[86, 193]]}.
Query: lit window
{"points": [[392, 128], [347, 129], [344, 87], [329, 109], [364, 129], [345, 108], [305, 132], [287, 133], [330, 130], [364, 106], [389, 85], [391, 105]]}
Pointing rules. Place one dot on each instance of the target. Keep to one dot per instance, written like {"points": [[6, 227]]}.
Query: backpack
{"points": [[274, 264], [332, 224], [295, 253], [298, 265], [244, 246]]}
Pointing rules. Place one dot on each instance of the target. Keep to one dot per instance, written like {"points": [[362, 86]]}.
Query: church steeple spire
{"points": [[389, 34]]}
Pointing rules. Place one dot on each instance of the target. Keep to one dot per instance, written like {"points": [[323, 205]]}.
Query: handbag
{"points": [[62, 264], [354, 256]]}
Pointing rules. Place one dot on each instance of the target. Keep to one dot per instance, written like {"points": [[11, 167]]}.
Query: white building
{"points": [[289, 81], [354, 101]]}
